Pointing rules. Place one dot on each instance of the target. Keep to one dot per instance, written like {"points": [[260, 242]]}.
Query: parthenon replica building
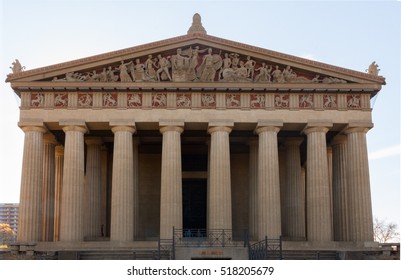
{"points": [[199, 142]]}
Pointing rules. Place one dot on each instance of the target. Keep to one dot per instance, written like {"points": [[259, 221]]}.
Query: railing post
{"points": [[173, 245], [281, 248], [224, 235], [266, 248], [158, 248]]}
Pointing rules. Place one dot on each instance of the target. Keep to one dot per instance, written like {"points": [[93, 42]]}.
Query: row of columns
{"points": [[341, 211]]}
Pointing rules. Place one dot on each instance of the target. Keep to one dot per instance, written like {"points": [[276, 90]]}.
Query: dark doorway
{"points": [[194, 205]]}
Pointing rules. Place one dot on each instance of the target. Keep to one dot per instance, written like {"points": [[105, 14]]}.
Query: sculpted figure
{"points": [[234, 60], [111, 77], [250, 67], [164, 65], [226, 65], [306, 101], [277, 75], [373, 69], [209, 66], [280, 101], [179, 66], [103, 75], [138, 71], [124, 76], [264, 73], [17, 67], [93, 76], [242, 72], [149, 70]]}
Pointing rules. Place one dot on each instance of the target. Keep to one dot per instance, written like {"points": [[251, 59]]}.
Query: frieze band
{"points": [[204, 100]]}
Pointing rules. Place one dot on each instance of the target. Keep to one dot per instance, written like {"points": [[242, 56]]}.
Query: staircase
{"points": [[118, 255]]}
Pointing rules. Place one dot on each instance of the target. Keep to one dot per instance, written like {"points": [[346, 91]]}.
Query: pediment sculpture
{"points": [[197, 64]]}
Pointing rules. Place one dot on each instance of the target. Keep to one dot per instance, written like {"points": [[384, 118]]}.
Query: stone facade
{"points": [[125, 146]]}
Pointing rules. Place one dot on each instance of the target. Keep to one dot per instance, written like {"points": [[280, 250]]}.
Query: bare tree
{"points": [[385, 232]]}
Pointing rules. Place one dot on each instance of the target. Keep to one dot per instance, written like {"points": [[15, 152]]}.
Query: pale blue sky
{"points": [[345, 34]]}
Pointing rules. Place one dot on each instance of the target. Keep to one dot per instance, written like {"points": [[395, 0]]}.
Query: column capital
{"points": [[267, 129], [178, 129], [59, 150], [41, 129], [308, 130], [93, 140], [49, 138], [130, 129], [212, 129], [293, 141], [82, 129], [349, 130], [339, 139]]}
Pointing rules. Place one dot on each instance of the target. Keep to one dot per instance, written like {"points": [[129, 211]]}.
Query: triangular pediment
{"points": [[194, 58]]}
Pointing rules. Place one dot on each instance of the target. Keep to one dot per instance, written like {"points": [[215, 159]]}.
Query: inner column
{"points": [[171, 178], [268, 190], [122, 198], [219, 195], [318, 198]]}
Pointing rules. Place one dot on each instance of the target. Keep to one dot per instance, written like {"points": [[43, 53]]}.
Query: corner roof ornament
{"points": [[196, 27]]}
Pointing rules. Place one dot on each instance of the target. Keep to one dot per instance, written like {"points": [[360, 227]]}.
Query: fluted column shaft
{"points": [[135, 172], [294, 204], [219, 197], [359, 198], [171, 181], [93, 188], [71, 223], [122, 197], [340, 208], [269, 209], [48, 187], [319, 226], [253, 188], [30, 208], [58, 182]]}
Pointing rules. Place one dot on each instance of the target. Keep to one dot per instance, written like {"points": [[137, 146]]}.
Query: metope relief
{"points": [[282, 101], [61, 100], [109, 100], [134, 100], [208, 100], [159, 100], [305, 100], [183, 100], [258, 100], [233, 100], [196, 64], [354, 101], [329, 101], [85, 100], [37, 100]]}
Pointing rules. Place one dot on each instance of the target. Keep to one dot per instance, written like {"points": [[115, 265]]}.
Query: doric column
{"points": [[171, 178], [93, 188], [359, 199], [58, 183], [135, 171], [253, 187], [48, 186], [340, 212], [122, 197], [30, 207], [71, 223], [319, 227], [269, 208], [219, 196], [294, 201]]}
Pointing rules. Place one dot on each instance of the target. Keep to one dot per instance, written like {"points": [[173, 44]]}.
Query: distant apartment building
{"points": [[9, 215]]}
